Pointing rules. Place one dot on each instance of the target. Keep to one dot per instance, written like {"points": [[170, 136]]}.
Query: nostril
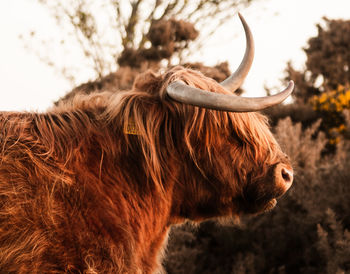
{"points": [[287, 175]]}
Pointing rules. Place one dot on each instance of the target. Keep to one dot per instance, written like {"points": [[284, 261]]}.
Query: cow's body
{"points": [[70, 201], [80, 194]]}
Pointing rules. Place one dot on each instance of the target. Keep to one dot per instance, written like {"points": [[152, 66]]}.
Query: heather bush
{"points": [[333, 244]]}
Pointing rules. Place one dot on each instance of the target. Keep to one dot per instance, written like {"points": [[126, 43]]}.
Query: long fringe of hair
{"points": [[166, 130], [165, 127]]}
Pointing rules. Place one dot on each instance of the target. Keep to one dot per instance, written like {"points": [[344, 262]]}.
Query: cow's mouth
{"points": [[270, 205]]}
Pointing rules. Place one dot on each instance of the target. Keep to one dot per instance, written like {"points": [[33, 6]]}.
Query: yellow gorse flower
{"points": [[335, 100], [331, 104]]}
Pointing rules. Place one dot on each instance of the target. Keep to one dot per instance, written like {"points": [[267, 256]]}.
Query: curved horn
{"points": [[228, 102], [225, 102], [233, 82]]}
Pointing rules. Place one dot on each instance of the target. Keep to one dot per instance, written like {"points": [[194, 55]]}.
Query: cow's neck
{"points": [[133, 209]]}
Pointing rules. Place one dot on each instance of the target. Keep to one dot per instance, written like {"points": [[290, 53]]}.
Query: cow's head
{"points": [[220, 152], [237, 165], [231, 163]]}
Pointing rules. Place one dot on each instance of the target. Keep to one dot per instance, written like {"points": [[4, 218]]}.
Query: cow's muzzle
{"points": [[283, 176]]}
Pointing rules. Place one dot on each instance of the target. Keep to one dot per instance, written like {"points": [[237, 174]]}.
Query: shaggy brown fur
{"points": [[78, 195]]}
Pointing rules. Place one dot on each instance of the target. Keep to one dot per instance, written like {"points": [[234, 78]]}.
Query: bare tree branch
{"points": [[131, 23], [130, 27]]}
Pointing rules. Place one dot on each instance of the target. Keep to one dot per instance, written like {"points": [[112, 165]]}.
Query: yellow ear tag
{"points": [[131, 128]]}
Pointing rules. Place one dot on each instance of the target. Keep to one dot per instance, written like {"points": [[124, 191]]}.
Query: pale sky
{"points": [[281, 29]]}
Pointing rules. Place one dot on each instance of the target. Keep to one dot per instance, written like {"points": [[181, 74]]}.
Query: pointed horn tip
{"points": [[241, 16], [290, 86]]}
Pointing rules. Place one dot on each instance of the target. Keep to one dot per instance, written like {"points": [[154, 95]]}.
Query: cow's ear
{"points": [[148, 81]]}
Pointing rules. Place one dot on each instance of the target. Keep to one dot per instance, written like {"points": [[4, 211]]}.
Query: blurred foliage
{"points": [[298, 112], [328, 61], [138, 33], [330, 105], [323, 86], [124, 77]]}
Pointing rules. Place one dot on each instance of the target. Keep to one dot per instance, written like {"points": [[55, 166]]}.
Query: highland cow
{"points": [[94, 184]]}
